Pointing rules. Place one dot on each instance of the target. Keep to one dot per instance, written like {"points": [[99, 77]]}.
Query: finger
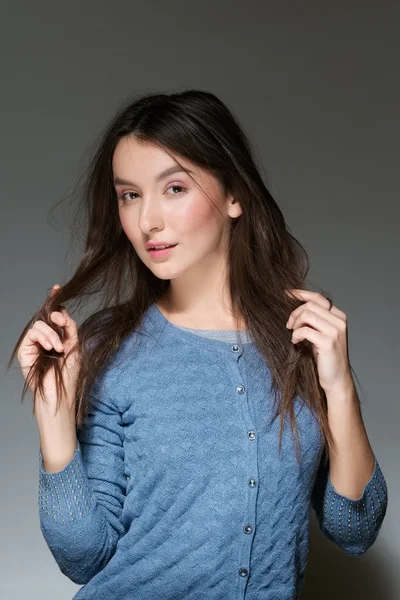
{"points": [[49, 333], [299, 315], [61, 316], [58, 317], [55, 289], [322, 322], [312, 335], [70, 327], [315, 297], [37, 336]]}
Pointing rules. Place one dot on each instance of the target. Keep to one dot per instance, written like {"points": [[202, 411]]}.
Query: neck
{"points": [[203, 313]]}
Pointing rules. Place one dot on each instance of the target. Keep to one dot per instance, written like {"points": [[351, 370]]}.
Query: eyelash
{"points": [[121, 196]]}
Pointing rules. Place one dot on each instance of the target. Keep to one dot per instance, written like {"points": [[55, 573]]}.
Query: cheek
{"points": [[130, 227], [195, 219]]}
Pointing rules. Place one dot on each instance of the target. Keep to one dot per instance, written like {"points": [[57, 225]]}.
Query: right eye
{"points": [[122, 196]]}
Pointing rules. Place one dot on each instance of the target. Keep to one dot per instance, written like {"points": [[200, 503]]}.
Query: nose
{"points": [[150, 217]]}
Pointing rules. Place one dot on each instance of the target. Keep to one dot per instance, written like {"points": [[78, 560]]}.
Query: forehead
{"points": [[135, 156]]}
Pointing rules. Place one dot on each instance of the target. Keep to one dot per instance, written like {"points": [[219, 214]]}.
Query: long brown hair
{"points": [[264, 260]]}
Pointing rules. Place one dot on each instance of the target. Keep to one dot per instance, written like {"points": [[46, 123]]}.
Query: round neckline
{"points": [[193, 338]]}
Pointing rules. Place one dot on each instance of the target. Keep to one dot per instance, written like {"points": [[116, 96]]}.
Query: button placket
{"points": [[251, 464]]}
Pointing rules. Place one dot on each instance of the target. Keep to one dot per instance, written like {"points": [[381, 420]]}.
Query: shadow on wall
{"points": [[332, 574]]}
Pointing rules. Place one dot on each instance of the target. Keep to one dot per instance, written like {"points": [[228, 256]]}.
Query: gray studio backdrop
{"points": [[315, 85]]}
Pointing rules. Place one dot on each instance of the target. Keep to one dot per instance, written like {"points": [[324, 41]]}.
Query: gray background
{"points": [[316, 87]]}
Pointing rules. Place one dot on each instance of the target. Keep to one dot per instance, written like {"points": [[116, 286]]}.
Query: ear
{"points": [[234, 208]]}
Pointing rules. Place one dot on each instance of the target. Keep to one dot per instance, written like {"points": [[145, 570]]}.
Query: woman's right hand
{"points": [[41, 335]]}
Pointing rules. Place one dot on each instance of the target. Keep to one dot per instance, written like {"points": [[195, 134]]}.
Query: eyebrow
{"points": [[159, 177]]}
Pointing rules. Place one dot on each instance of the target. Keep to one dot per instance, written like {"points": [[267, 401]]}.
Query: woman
{"points": [[187, 426]]}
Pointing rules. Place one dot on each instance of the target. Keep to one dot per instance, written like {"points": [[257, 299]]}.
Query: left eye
{"points": [[180, 187]]}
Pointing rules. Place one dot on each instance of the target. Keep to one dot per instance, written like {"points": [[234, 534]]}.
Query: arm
{"points": [[352, 524], [80, 506], [350, 492]]}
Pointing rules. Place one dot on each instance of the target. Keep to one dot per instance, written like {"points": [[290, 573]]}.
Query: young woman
{"points": [[187, 426]]}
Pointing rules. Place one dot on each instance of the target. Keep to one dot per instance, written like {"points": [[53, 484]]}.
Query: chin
{"points": [[159, 277], [166, 275], [160, 272]]}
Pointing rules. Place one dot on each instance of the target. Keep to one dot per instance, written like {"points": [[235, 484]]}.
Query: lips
{"points": [[165, 247]]}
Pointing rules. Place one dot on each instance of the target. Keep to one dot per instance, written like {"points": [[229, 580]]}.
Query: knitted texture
{"points": [[176, 489]]}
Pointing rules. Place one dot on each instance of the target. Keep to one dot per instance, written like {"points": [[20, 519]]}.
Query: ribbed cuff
{"points": [[65, 495]]}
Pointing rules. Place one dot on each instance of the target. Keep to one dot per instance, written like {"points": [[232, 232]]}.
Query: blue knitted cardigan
{"points": [[176, 489]]}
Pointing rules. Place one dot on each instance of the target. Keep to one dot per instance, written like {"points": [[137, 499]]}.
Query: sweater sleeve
{"points": [[351, 524], [80, 506]]}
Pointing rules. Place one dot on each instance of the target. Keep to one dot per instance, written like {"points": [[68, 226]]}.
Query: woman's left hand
{"points": [[327, 331]]}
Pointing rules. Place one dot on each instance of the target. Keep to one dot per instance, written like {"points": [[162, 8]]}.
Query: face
{"points": [[170, 208]]}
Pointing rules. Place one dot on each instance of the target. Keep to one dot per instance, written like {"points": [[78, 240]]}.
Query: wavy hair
{"points": [[264, 259]]}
